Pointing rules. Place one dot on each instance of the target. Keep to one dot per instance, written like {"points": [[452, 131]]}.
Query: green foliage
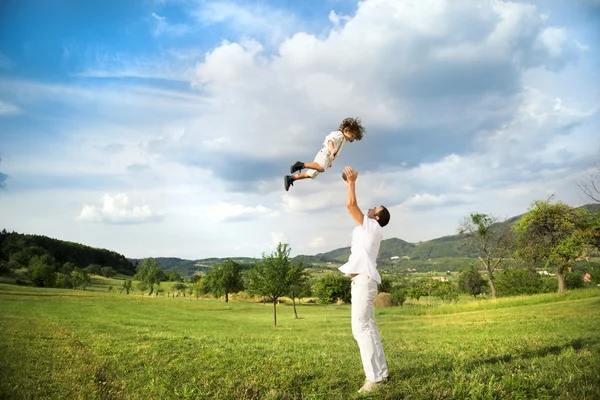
{"points": [[491, 241], [20, 248], [399, 296], [68, 268], [385, 285], [519, 281], [180, 287], [80, 278], [574, 280], [470, 281], [149, 273], [444, 290], [274, 275], [224, 279], [299, 285], [417, 291], [174, 276], [42, 271], [93, 269], [554, 233], [127, 285], [64, 280], [333, 287], [108, 272], [142, 286]]}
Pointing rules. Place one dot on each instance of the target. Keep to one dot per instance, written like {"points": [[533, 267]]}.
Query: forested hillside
{"points": [[17, 249]]}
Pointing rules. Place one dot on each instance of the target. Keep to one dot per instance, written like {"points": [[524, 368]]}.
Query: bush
{"points": [[333, 287], [399, 296], [445, 291], [518, 281], [64, 280], [574, 280]]}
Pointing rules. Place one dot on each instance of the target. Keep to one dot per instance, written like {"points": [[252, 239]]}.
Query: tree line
{"points": [[549, 237], [49, 262]]}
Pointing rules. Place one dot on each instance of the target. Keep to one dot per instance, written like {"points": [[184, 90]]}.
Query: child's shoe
{"points": [[298, 166], [288, 181]]}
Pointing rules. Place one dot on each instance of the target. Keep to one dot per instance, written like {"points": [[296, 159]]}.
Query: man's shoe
{"points": [[288, 181], [298, 166], [369, 387]]}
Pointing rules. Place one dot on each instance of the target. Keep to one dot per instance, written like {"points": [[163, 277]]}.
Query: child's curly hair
{"points": [[354, 126]]}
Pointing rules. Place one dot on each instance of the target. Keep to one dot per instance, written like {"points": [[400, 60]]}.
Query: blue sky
{"points": [[164, 128]]}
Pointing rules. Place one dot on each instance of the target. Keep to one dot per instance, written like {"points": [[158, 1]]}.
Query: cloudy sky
{"points": [[164, 128]]}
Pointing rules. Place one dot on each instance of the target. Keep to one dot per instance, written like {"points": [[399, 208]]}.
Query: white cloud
{"points": [[229, 212], [163, 27], [249, 20], [278, 237], [8, 109], [318, 242], [117, 210], [455, 122]]}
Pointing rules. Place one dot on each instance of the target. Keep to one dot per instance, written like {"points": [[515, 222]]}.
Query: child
{"points": [[350, 130]]}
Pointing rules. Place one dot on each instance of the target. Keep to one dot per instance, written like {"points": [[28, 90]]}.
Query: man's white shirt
{"points": [[366, 240]]}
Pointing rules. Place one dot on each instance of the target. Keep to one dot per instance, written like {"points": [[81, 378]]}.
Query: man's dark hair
{"points": [[383, 217]]}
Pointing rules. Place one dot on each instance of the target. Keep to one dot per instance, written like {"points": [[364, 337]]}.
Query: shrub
{"points": [[574, 280], [333, 287], [518, 281], [399, 296]]}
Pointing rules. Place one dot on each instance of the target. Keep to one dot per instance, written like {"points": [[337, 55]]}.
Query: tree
{"points": [[68, 268], [591, 185], [41, 271], [270, 276], [298, 283], [225, 278], [333, 287], [93, 269], [174, 276], [399, 296], [142, 287], [108, 272], [493, 241], [80, 277], [127, 285], [417, 291], [470, 281], [554, 233], [149, 273]]}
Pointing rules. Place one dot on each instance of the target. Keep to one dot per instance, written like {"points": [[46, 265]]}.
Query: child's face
{"points": [[348, 134]]}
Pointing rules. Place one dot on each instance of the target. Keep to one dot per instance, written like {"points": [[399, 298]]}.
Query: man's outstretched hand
{"points": [[349, 175]]}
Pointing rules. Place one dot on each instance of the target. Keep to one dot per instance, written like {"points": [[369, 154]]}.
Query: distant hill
{"points": [[23, 246], [190, 267], [452, 246], [416, 254]]}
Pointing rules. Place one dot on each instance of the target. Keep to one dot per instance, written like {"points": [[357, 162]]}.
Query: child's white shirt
{"points": [[338, 140]]}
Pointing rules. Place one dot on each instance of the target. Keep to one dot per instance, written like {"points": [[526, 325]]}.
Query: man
{"points": [[362, 268]]}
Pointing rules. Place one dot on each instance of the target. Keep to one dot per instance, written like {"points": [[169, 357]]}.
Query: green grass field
{"points": [[65, 344]]}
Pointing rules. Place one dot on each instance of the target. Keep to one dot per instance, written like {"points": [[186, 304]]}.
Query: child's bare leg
{"points": [[314, 165], [301, 175]]}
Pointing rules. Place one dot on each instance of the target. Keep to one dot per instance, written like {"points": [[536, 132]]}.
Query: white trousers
{"points": [[365, 330]]}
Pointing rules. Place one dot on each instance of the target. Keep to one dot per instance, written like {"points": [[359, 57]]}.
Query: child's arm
{"points": [[332, 150]]}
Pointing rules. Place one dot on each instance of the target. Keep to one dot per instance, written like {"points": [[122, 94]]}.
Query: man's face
{"points": [[372, 211]]}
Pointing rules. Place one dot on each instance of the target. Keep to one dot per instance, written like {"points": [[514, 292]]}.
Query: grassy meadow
{"points": [[95, 344]]}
